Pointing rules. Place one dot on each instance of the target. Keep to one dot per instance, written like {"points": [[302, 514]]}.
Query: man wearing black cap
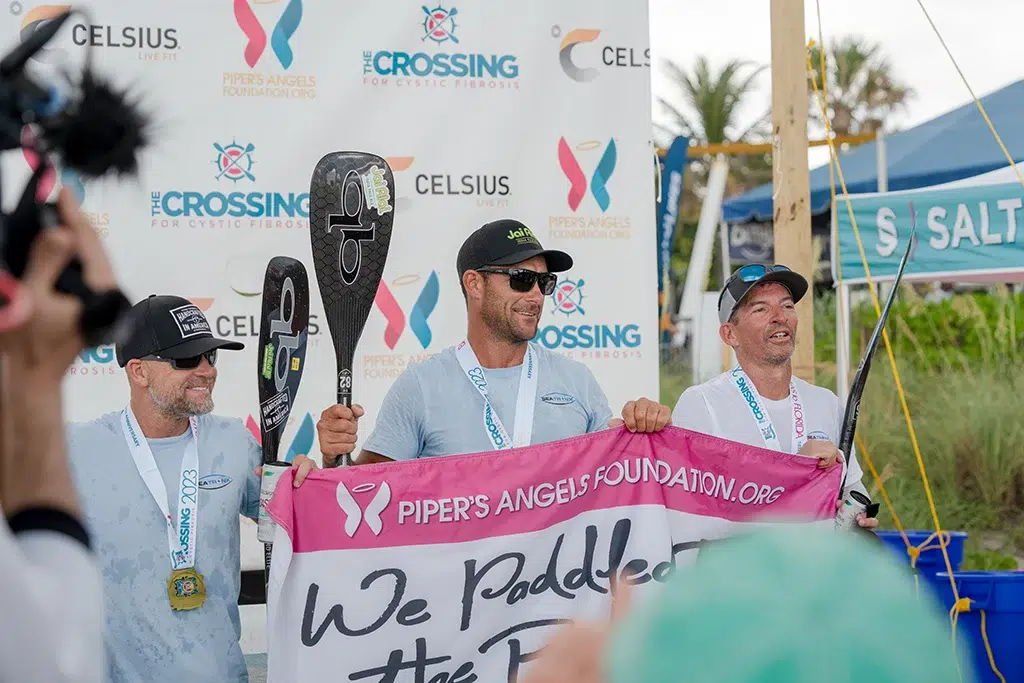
{"points": [[162, 484], [494, 390], [760, 402]]}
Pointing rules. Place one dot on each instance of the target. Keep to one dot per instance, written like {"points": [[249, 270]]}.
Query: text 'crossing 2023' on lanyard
{"points": [[527, 395], [764, 423], [185, 587]]}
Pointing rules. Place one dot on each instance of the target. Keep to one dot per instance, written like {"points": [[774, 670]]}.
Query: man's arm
{"points": [[369, 458]]}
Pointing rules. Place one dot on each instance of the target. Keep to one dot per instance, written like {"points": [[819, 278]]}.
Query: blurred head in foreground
{"points": [[787, 605]]}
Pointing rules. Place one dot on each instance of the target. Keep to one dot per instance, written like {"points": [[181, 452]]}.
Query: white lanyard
{"points": [[181, 540], [764, 423], [524, 401]]}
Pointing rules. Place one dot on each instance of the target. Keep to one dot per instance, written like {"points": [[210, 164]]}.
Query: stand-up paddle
{"points": [[281, 357], [856, 502], [351, 213]]}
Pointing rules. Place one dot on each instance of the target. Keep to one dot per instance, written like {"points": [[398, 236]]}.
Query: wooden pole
{"points": [[790, 176]]}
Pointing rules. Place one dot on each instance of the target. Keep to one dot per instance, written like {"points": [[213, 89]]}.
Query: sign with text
{"points": [[457, 569], [961, 232]]}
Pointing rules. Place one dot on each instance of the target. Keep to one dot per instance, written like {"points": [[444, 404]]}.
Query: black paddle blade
{"points": [[848, 427], [351, 212], [281, 354]]}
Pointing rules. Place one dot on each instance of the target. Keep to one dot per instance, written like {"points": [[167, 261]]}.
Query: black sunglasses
{"points": [[190, 363], [522, 280]]}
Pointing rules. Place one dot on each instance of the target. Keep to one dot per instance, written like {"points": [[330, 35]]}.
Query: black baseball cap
{"points": [[506, 242], [747, 277], [168, 326]]}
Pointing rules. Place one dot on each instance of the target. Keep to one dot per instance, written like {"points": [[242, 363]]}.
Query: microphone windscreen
{"points": [[104, 134]]}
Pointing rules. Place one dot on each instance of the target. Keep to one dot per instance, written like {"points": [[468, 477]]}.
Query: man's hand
{"points": [[50, 339], [826, 452], [643, 415], [302, 466], [336, 430], [863, 521]]}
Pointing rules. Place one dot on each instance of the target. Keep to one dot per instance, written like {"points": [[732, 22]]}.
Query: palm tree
{"points": [[711, 104], [862, 92]]}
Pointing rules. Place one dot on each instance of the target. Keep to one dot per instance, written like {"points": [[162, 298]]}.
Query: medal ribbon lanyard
{"points": [[181, 538], [525, 400]]}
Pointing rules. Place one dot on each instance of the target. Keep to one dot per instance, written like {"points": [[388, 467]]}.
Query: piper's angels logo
{"points": [[355, 515]]}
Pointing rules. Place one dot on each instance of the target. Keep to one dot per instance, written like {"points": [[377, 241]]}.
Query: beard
{"points": [[176, 403], [505, 326]]}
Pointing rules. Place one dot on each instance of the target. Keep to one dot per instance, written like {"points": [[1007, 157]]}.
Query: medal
{"points": [[186, 589]]}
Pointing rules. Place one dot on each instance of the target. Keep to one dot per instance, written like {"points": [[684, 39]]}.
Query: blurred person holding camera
{"points": [[51, 624]]}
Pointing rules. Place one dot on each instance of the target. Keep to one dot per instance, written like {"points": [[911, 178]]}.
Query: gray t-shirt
{"points": [[146, 639], [434, 409]]}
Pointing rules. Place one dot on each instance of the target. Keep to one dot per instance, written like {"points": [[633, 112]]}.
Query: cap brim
{"points": [[558, 261], [194, 347], [794, 282]]}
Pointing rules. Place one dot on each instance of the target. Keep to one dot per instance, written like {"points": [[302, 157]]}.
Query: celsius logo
{"points": [[48, 180], [611, 55], [263, 209], [36, 18], [571, 40], [418, 314], [272, 84], [302, 442], [578, 181], [568, 299], [283, 31], [355, 514], [490, 190], [470, 70]]}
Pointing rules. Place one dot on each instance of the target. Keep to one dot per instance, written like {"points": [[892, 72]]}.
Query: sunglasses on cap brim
{"points": [[737, 284], [190, 363], [522, 279]]}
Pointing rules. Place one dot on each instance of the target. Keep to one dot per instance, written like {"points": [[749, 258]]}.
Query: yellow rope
{"points": [[977, 102], [885, 335], [964, 605], [960, 604]]}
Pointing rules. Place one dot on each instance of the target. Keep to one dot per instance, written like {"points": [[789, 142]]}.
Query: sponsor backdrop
{"points": [[537, 110]]}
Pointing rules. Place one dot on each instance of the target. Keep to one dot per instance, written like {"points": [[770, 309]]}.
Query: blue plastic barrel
{"points": [[1001, 595], [930, 562]]}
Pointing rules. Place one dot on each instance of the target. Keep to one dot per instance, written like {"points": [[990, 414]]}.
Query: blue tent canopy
{"points": [[956, 145]]}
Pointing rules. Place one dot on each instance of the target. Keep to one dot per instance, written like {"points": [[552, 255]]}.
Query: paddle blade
{"points": [[281, 354], [351, 213]]}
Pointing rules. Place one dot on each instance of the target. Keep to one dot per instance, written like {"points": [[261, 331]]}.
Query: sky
{"points": [[984, 36]]}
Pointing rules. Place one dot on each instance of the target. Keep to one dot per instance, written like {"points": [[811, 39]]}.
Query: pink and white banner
{"points": [[456, 569]]}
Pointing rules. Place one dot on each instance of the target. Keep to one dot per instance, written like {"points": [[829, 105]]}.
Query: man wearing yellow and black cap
{"points": [[494, 389], [162, 484]]}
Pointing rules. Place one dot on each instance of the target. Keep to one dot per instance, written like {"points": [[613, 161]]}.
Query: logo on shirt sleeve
{"points": [[557, 398], [822, 436]]}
